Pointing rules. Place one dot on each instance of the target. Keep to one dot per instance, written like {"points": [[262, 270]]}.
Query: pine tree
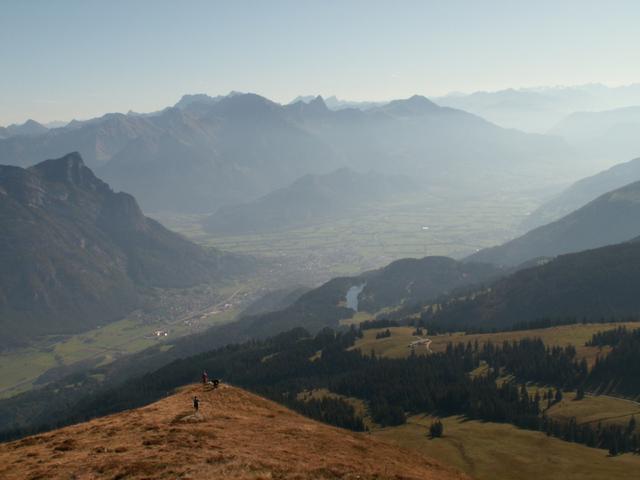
{"points": [[436, 429]]}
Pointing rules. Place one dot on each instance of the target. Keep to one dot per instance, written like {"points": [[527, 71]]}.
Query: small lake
{"points": [[352, 296]]}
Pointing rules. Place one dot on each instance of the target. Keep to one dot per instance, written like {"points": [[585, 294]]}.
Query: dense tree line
{"points": [[619, 371], [331, 410], [378, 323], [383, 334], [531, 361], [434, 326], [283, 366], [609, 337]]}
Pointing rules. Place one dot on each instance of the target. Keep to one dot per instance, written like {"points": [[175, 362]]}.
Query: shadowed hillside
{"points": [[611, 218], [234, 435], [75, 254], [584, 191], [599, 283]]}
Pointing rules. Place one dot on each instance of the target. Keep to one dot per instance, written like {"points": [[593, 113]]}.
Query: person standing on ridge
{"points": [[205, 377]]}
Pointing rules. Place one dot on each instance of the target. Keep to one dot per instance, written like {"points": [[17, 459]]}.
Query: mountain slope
{"points": [[605, 136], [75, 254], [209, 152], [583, 191], [235, 435], [310, 199], [611, 218], [594, 284]]}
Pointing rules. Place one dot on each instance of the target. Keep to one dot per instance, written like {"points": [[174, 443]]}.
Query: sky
{"points": [[64, 59]]}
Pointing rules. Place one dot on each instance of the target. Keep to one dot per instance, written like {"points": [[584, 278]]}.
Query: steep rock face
{"points": [[234, 435], [74, 253]]}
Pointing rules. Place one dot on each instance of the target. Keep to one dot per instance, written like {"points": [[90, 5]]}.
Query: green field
{"points": [[595, 409], [491, 451], [396, 345], [415, 226], [21, 368]]}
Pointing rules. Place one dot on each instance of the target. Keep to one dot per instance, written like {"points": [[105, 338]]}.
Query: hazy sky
{"points": [[68, 59]]}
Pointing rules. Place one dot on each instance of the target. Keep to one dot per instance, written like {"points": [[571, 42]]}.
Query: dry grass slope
{"points": [[236, 435]]}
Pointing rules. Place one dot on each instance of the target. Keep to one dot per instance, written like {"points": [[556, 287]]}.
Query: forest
{"points": [[522, 379]]}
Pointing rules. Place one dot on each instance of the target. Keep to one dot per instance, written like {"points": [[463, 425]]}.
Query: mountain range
{"points": [[76, 255], [539, 109], [207, 152], [30, 127]]}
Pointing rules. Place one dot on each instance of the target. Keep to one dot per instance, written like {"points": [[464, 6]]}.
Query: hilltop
{"points": [[235, 435]]}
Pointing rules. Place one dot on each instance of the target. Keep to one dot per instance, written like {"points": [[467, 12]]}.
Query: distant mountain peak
{"points": [[30, 127], [188, 99], [420, 101], [318, 102], [245, 104], [32, 123], [415, 105], [68, 169]]}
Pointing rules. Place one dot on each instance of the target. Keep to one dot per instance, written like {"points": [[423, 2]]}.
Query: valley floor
{"points": [[174, 314], [416, 226]]}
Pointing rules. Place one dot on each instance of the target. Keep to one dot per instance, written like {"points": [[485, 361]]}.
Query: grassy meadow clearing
{"points": [[493, 451]]}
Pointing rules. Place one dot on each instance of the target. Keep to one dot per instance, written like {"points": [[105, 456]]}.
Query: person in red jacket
{"points": [[205, 377]]}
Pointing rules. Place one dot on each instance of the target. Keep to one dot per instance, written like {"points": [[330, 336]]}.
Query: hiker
{"points": [[205, 377], [196, 403]]}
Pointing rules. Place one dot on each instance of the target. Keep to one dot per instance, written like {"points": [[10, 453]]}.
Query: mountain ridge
{"points": [[206, 152], [235, 434], [609, 219], [584, 191]]}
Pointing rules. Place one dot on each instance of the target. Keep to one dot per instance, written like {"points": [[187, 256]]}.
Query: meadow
{"points": [[492, 451], [396, 345]]}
